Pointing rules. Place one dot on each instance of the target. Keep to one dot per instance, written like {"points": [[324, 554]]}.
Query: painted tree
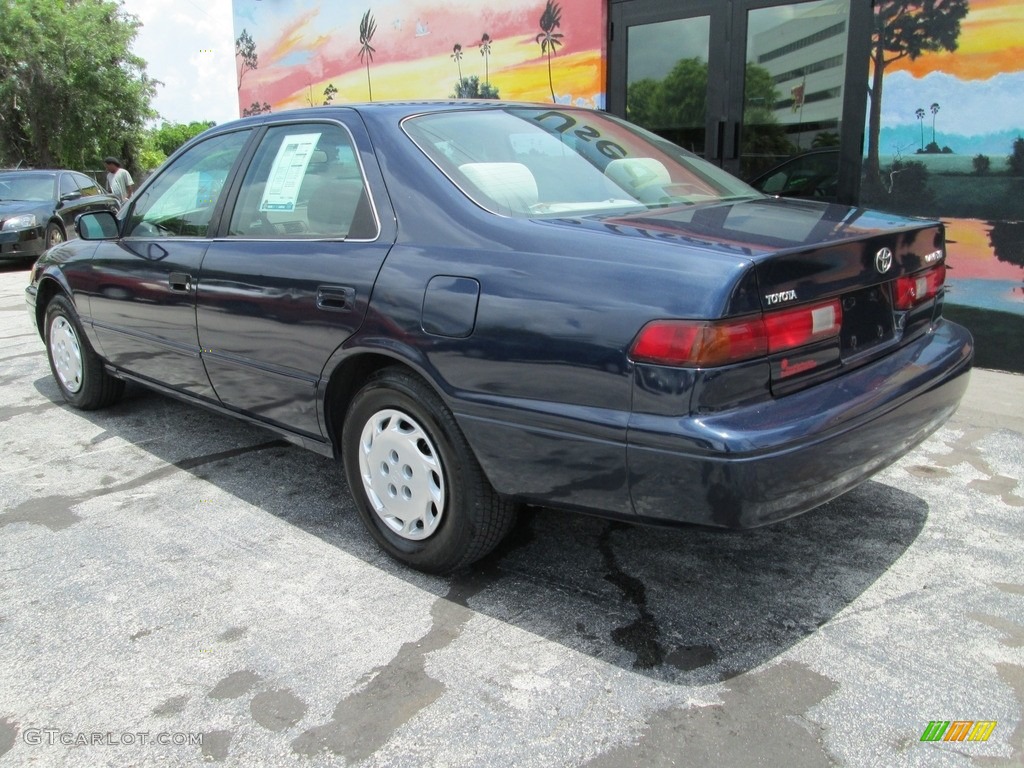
{"points": [[935, 110], [457, 55], [906, 29], [329, 93], [367, 29], [549, 40], [485, 51], [256, 108], [245, 53], [920, 118]]}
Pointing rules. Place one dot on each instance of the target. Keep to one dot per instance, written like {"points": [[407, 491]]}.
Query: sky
{"points": [[189, 46]]}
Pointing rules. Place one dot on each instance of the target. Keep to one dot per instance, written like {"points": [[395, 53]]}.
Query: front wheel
{"points": [[54, 234], [77, 369], [417, 485]]}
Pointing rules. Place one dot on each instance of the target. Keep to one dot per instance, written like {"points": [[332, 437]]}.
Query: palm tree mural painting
{"points": [[549, 40], [367, 29], [485, 51], [457, 55], [920, 118], [935, 111]]}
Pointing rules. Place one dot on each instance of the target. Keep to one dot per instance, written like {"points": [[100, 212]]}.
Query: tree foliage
{"points": [[471, 88], [1016, 158], [161, 142], [71, 91], [901, 29]]}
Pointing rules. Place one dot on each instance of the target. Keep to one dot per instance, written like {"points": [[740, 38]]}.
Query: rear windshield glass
{"points": [[536, 162]]}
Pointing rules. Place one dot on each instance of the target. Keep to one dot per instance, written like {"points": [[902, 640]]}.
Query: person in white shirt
{"points": [[119, 181]]}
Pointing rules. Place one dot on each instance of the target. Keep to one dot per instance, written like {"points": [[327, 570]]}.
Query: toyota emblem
{"points": [[883, 260]]}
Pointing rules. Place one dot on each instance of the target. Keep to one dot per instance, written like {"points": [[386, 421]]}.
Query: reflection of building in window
{"points": [[804, 52]]}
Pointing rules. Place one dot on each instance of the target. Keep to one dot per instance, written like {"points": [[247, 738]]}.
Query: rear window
{"points": [[537, 162]]}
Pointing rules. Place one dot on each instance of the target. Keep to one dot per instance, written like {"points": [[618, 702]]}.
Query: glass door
{"points": [[768, 90]]}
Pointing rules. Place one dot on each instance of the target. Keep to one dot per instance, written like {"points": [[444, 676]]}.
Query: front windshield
{"points": [[36, 187], [537, 162]]}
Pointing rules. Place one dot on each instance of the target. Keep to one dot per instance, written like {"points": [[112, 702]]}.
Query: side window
{"points": [[67, 185], [87, 185], [304, 181], [181, 199]]}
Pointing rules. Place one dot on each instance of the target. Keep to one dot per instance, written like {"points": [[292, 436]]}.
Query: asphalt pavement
{"points": [[180, 588]]}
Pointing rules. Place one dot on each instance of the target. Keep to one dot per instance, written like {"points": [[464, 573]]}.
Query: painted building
{"points": [[908, 105]]}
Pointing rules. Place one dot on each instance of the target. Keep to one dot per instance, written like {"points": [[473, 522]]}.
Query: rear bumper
{"points": [[768, 461]]}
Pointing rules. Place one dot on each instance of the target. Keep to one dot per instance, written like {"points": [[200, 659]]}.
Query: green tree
{"points": [[935, 111], [920, 118], [764, 140], [367, 29], [169, 136], [71, 91], [245, 52], [471, 88], [901, 29], [982, 164], [550, 20]]}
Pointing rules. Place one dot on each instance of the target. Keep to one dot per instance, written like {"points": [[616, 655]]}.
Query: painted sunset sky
{"points": [[978, 87], [304, 46]]}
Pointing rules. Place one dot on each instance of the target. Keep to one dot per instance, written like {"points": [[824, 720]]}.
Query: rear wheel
{"points": [[77, 369], [417, 485]]}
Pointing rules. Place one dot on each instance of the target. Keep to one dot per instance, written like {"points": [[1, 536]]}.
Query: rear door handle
{"points": [[335, 298], [180, 281]]}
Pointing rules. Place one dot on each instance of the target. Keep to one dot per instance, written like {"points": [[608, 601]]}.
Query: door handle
{"points": [[335, 298], [180, 281]]}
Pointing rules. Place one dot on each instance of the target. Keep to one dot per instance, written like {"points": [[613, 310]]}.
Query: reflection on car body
{"points": [[476, 305]]}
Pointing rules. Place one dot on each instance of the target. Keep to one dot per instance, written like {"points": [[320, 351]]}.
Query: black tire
{"points": [[54, 234], [421, 436], [85, 385]]}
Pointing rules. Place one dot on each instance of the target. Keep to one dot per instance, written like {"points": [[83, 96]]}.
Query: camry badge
{"points": [[883, 260]]}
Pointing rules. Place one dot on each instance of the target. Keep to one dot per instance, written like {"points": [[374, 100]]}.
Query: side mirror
{"points": [[99, 225], [68, 196]]}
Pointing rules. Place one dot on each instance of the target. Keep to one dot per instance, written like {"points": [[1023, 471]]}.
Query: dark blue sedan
{"points": [[480, 304]]}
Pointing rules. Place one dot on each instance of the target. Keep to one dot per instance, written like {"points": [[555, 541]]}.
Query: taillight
{"points": [[911, 290], [705, 344], [800, 326], [699, 343]]}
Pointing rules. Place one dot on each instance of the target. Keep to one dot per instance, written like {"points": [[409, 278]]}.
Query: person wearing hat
{"points": [[119, 181]]}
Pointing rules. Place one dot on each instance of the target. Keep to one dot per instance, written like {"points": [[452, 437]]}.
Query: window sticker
{"points": [[282, 190]]}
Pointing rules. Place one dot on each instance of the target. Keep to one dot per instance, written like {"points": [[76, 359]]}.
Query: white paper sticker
{"points": [[282, 190]]}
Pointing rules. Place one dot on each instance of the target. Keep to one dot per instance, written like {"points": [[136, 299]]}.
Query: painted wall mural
{"points": [[308, 53], [945, 138]]}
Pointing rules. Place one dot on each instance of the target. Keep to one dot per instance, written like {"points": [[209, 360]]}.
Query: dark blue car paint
{"points": [[536, 371]]}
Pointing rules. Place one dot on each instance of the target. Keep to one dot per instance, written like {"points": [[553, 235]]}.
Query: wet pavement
{"points": [[181, 588]]}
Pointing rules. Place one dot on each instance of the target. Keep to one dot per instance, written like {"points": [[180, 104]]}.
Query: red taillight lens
{"points": [[800, 326], [912, 290], [700, 343], [705, 344]]}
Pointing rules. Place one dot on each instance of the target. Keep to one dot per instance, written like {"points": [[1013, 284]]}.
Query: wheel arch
{"points": [[49, 286], [349, 370]]}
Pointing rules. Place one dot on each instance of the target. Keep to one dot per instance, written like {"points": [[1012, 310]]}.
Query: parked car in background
{"points": [[813, 174], [38, 209], [474, 305]]}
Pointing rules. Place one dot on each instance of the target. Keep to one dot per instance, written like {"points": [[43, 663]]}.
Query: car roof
{"points": [[393, 108]]}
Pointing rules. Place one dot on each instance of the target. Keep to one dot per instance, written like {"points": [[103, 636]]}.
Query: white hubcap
{"points": [[402, 474], [66, 353]]}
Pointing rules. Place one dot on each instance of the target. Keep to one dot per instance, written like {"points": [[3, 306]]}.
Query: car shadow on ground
{"points": [[682, 605]]}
